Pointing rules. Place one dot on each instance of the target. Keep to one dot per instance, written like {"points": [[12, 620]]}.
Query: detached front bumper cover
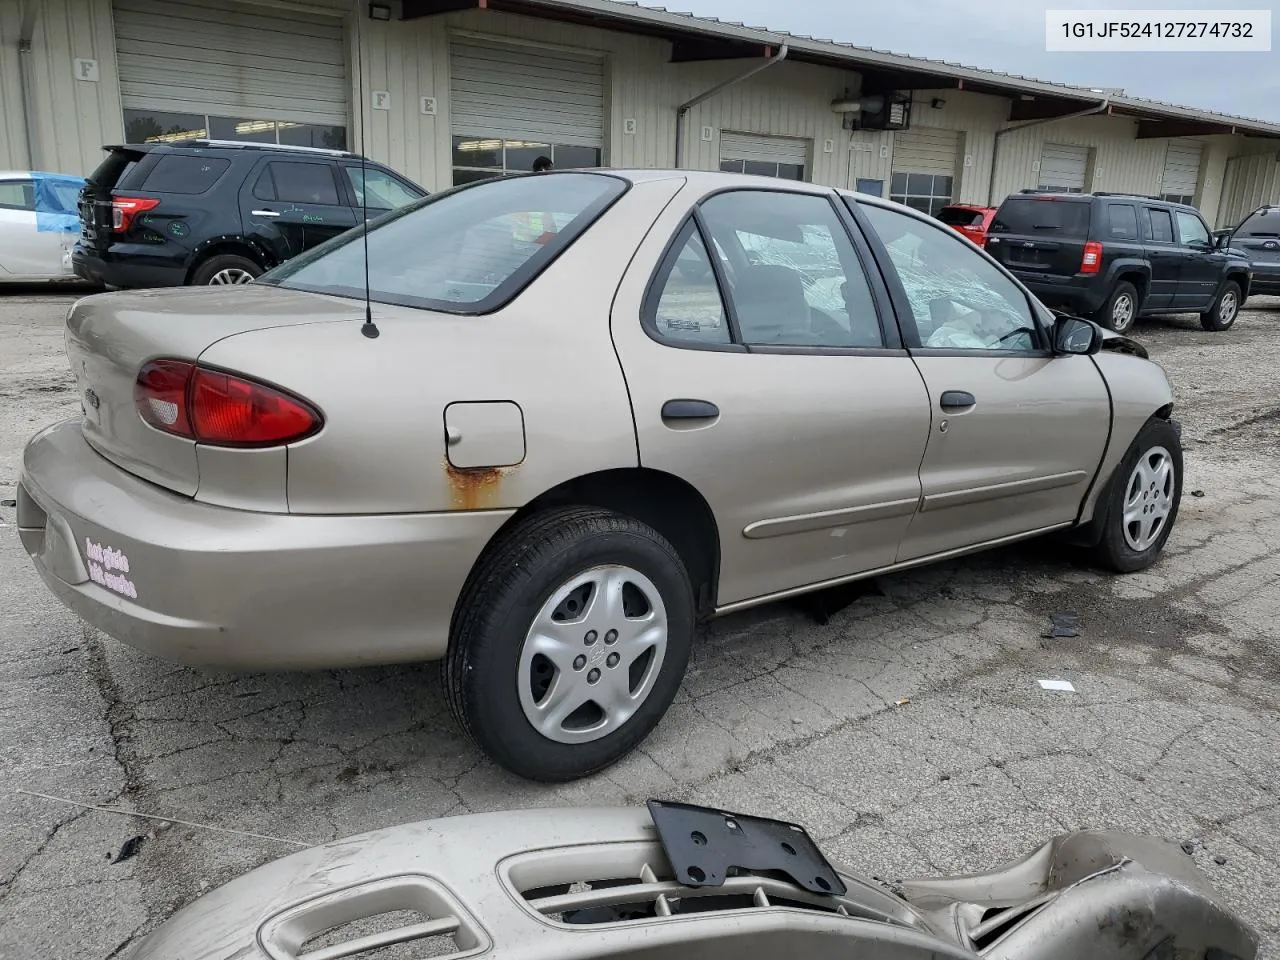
{"points": [[598, 883]]}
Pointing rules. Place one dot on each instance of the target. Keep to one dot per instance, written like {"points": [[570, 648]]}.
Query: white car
{"points": [[39, 225]]}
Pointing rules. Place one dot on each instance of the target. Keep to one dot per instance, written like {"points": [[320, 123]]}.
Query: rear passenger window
{"points": [[1161, 225], [1122, 221], [185, 174], [17, 195], [690, 307], [793, 274], [298, 182]]}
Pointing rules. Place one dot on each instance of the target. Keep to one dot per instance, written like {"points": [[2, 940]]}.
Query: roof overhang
{"points": [[696, 38]]}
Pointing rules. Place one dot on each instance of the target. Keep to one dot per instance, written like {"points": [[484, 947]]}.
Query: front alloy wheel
{"points": [[1140, 504], [1148, 499]]}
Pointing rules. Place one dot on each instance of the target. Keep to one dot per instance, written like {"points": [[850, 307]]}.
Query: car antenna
{"points": [[368, 328]]}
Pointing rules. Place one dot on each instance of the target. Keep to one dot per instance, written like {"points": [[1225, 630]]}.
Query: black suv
{"points": [[1116, 257], [1257, 239], [213, 212]]}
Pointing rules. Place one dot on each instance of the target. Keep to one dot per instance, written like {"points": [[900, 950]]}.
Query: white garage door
{"points": [[924, 168], [510, 105], [232, 72], [1063, 167], [1181, 171], [784, 157]]}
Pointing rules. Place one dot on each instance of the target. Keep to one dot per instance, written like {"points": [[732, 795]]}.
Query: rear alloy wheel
{"points": [[1222, 315], [1121, 308], [1143, 498], [570, 642], [226, 269]]}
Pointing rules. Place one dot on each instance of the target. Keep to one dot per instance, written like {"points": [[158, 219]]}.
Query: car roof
{"points": [[238, 145]]}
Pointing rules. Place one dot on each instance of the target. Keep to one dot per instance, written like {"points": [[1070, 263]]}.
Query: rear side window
{"points": [[298, 182], [1264, 223], [114, 170], [468, 250], [185, 174], [1161, 225], [17, 195], [1122, 221], [960, 217], [1041, 216]]}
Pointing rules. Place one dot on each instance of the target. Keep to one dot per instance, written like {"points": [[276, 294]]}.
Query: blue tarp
{"points": [[56, 198]]}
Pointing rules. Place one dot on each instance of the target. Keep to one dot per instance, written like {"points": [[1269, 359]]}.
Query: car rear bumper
{"points": [[206, 585], [1064, 292], [122, 270]]}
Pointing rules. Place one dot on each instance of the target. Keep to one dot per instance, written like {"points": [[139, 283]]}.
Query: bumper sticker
{"points": [[106, 568]]}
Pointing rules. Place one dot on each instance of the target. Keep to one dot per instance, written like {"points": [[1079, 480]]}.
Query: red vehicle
{"points": [[970, 220]]}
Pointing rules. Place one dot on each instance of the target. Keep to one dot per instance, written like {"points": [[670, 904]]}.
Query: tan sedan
{"points": [[585, 409]]}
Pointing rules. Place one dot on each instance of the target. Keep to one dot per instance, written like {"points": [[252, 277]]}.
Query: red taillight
{"points": [[218, 408], [1091, 261], [124, 209]]}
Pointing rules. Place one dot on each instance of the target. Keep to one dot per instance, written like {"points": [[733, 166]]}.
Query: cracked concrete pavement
{"points": [[909, 733]]}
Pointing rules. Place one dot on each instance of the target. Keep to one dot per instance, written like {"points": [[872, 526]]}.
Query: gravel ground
{"points": [[909, 733]]}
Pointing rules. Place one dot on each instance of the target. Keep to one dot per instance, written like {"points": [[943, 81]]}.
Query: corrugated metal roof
{"points": [[859, 56]]}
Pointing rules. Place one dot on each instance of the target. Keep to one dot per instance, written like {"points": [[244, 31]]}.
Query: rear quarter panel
{"points": [[1139, 388], [383, 449]]}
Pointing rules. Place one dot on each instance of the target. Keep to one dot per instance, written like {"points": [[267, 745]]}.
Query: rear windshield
{"points": [[112, 170], [960, 217], [187, 174], [1042, 216], [1264, 223], [468, 250]]}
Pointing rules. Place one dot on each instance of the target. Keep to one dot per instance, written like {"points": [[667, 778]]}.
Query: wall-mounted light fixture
{"points": [[937, 103], [379, 11]]}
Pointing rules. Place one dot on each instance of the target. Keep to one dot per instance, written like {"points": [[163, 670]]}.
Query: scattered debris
{"points": [[945, 776], [1220, 860], [1188, 847], [1064, 624], [1197, 493], [130, 849], [903, 702], [796, 720], [1065, 686]]}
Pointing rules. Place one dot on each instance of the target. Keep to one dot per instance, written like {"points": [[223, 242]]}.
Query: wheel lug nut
{"points": [[613, 660], [590, 638], [579, 662], [593, 676], [611, 636]]}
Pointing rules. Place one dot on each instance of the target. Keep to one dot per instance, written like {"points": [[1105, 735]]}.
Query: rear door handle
{"points": [[956, 400], [689, 410], [264, 213]]}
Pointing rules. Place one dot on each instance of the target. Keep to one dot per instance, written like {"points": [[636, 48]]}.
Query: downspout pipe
{"points": [[682, 111], [995, 149], [26, 32]]}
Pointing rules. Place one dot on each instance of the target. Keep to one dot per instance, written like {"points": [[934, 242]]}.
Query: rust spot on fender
{"points": [[475, 488]]}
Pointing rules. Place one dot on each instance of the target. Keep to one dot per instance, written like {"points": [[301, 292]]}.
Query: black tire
{"points": [[1112, 314], [1226, 308], [1114, 551], [506, 591], [224, 265]]}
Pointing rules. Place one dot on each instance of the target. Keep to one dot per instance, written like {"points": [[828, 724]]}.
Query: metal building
{"points": [[448, 91]]}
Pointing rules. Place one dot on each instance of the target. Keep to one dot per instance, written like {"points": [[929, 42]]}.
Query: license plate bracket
{"points": [[704, 845]]}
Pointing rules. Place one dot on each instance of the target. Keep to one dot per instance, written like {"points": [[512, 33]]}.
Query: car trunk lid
{"points": [[1040, 234], [110, 336]]}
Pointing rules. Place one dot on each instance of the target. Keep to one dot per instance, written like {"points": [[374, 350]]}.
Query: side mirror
{"points": [[1074, 336]]}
